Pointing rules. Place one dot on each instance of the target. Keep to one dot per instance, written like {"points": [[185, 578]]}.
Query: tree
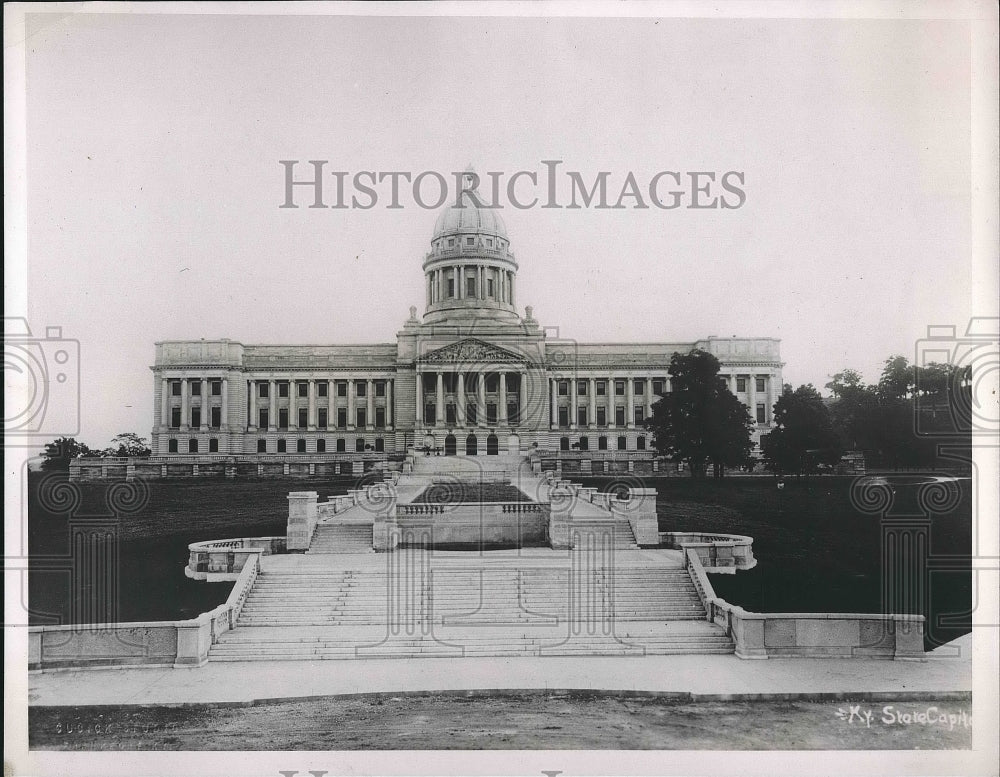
{"points": [[803, 436], [127, 444], [59, 452], [852, 410], [898, 380], [700, 421]]}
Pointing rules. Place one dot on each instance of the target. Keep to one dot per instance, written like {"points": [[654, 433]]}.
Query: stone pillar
{"points": [[513, 300], [592, 410], [164, 403], [370, 405], [302, 515], [439, 410], [629, 402], [185, 405], [390, 396], [752, 397], [331, 405], [293, 404], [612, 401], [351, 404], [454, 275], [573, 399], [481, 390], [502, 410], [460, 400], [204, 404], [225, 404], [272, 401], [420, 400], [253, 419], [311, 412], [649, 398], [554, 420], [522, 397]]}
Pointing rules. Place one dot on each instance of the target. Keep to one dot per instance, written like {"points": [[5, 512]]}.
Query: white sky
{"points": [[154, 183]]}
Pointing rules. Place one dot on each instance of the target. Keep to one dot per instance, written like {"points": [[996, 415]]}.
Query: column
{"points": [[419, 399], [522, 398], [554, 420], [164, 402], [272, 401], [502, 410], [311, 412], [204, 404], [252, 420], [752, 397], [592, 411], [331, 405], [225, 404], [370, 408], [460, 400], [439, 410], [390, 392], [293, 402], [513, 300], [481, 390], [352, 416], [454, 275], [629, 402], [461, 281], [612, 401], [573, 399], [185, 405], [649, 397]]}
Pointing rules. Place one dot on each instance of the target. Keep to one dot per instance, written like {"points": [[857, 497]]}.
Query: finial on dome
{"points": [[528, 310], [413, 312]]}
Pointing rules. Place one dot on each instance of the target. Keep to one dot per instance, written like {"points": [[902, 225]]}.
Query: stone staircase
{"points": [[488, 611], [342, 538], [602, 534]]}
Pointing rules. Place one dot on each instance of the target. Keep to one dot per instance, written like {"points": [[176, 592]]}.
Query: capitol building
{"points": [[471, 376]]}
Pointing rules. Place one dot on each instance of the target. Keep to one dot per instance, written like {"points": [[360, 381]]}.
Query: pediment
{"points": [[471, 351]]}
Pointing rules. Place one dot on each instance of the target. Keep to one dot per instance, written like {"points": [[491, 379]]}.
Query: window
{"points": [[262, 417], [470, 241], [761, 413], [213, 445], [262, 390], [359, 445], [300, 446], [622, 443], [172, 445], [303, 416], [564, 388], [360, 387], [513, 412], [380, 388], [760, 384], [741, 384], [491, 413], [362, 414], [658, 386], [619, 416], [472, 413], [379, 444], [449, 414], [175, 388], [195, 387], [322, 420], [380, 417], [341, 417], [563, 417], [430, 413], [492, 383], [584, 444], [320, 445], [283, 388], [638, 414], [564, 443], [470, 287], [303, 388], [451, 241], [451, 287], [601, 388], [216, 417], [195, 416], [489, 242], [341, 445], [489, 288], [341, 388], [602, 416], [639, 385], [283, 418], [602, 443], [619, 388], [640, 442], [322, 388], [262, 446], [175, 417], [216, 388], [581, 387], [192, 445], [581, 416], [281, 446]]}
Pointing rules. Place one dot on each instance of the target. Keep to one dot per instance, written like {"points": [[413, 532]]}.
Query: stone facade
{"points": [[471, 376]]}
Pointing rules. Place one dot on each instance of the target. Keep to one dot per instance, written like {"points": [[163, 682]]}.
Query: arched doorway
{"points": [[492, 445], [471, 445], [450, 445], [514, 445]]}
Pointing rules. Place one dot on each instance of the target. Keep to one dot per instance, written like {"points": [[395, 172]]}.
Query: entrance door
{"points": [[471, 445], [450, 445], [492, 445]]}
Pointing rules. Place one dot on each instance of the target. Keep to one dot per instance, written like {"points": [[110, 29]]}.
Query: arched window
{"points": [[359, 445], [564, 443], [640, 442], [172, 445], [584, 444], [471, 445], [602, 443], [320, 445], [300, 446], [622, 443], [213, 445], [193, 445], [492, 445], [262, 446], [341, 445]]}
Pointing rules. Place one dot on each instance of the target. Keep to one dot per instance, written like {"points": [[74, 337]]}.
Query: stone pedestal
{"points": [[641, 511], [302, 517]]}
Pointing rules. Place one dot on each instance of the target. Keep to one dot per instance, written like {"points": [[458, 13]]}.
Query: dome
{"points": [[469, 217]]}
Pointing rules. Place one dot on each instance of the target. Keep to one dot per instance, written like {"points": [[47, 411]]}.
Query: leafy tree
{"points": [[803, 436], [898, 380], [700, 421], [59, 452], [127, 444], [852, 409]]}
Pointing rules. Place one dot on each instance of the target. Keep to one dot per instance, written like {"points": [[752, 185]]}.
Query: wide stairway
{"points": [[465, 610], [342, 538]]}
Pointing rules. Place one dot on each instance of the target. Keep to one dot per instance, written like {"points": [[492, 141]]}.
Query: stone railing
{"points": [[815, 634], [151, 643], [236, 465], [724, 553], [222, 560]]}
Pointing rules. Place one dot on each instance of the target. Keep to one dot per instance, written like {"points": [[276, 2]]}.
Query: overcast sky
{"points": [[154, 182]]}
